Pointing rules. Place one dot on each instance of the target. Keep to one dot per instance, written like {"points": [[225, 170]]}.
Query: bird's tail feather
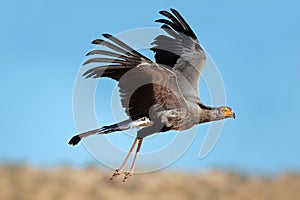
{"points": [[124, 125]]}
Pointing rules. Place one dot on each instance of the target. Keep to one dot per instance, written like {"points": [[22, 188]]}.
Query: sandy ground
{"points": [[25, 183]]}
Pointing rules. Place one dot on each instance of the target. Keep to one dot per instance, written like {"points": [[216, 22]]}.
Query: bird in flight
{"points": [[157, 96]]}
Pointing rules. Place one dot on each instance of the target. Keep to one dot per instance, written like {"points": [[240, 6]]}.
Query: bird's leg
{"points": [[120, 170], [130, 173]]}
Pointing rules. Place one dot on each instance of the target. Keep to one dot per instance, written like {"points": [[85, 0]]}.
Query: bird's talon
{"points": [[115, 174], [127, 175]]}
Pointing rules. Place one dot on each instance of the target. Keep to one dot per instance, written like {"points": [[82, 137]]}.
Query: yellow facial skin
{"points": [[228, 112]]}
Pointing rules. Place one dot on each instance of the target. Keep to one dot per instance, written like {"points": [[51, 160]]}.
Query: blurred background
{"points": [[256, 46]]}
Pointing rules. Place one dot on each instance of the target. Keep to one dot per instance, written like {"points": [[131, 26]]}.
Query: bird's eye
{"points": [[227, 110]]}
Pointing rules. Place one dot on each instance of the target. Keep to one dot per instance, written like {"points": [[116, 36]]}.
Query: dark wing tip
{"points": [[162, 12], [173, 10], [97, 41], [89, 73], [167, 13], [74, 140], [184, 23], [107, 35]]}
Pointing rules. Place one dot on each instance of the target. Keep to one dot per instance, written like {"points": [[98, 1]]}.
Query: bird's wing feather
{"points": [[180, 50], [149, 86], [144, 85]]}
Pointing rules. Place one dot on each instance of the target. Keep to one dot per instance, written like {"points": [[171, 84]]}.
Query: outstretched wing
{"points": [[180, 50], [143, 84]]}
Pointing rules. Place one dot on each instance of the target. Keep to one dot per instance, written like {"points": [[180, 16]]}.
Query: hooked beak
{"points": [[229, 113], [233, 115]]}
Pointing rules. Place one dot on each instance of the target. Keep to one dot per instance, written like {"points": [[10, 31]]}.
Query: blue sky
{"points": [[255, 44]]}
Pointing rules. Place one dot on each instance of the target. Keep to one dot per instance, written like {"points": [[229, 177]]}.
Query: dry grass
{"points": [[21, 182]]}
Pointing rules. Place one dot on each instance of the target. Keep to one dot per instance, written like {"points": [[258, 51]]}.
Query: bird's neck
{"points": [[210, 114]]}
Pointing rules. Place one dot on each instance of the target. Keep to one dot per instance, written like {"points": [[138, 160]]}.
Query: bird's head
{"points": [[225, 112], [208, 114]]}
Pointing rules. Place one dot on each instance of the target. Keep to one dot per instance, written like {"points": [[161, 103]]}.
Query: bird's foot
{"points": [[127, 175], [116, 173]]}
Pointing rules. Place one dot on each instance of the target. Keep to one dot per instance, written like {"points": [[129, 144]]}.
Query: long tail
{"points": [[124, 125]]}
